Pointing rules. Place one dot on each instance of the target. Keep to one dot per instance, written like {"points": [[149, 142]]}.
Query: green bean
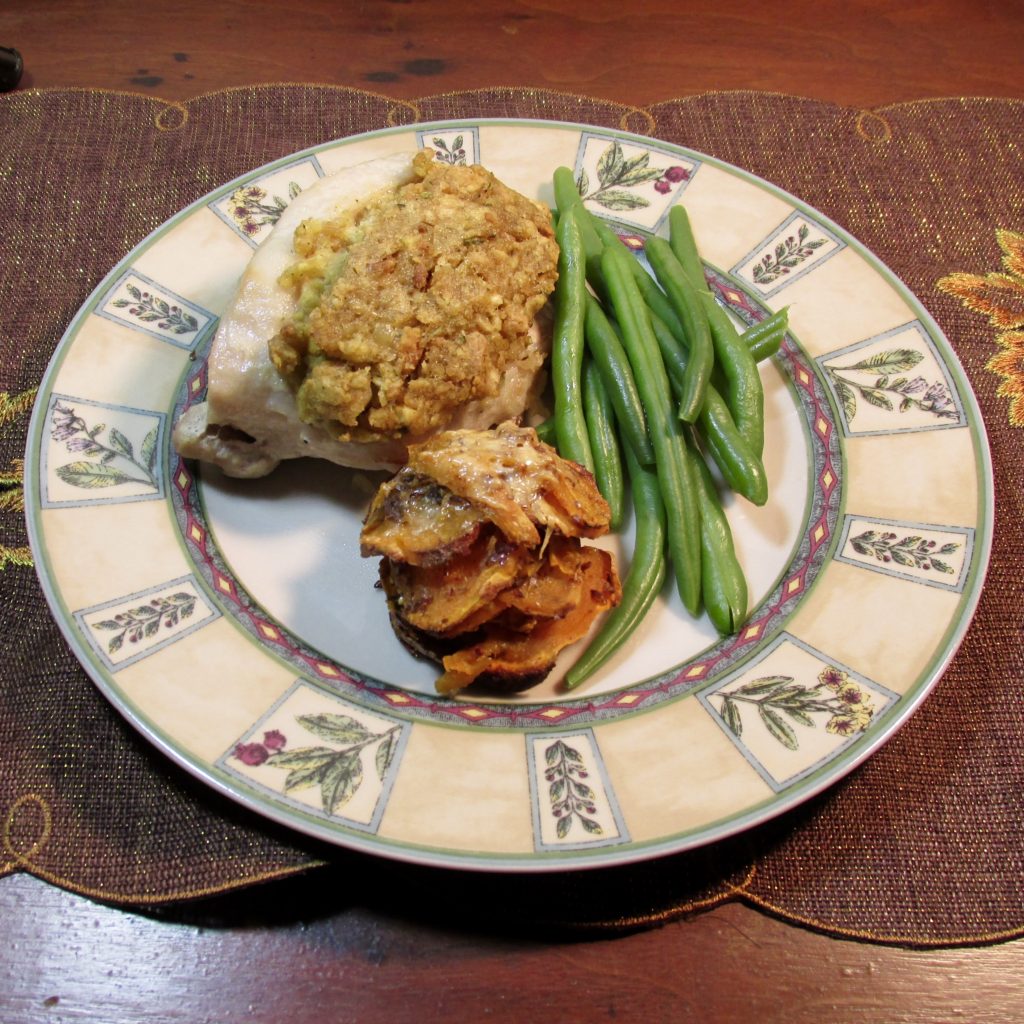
{"points": [[643, 580], [684, 299], [546, 431], [675, 476], [606, 349], [742, 469], [567, 345], [745, 393], [765, 337], [723, 585], [604, 442], [684, 245], [653, 295], [567, 199]]}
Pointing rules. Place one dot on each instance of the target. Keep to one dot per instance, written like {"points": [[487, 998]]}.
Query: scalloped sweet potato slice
{"points": [[516, 480], [415, 520], [483, 565], [437, 598], [551, 588], [508, 658]]}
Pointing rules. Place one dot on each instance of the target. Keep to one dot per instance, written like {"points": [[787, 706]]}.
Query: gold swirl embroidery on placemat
{"points": [[999, 295], [24, 848], [664, 915], [648, 123], [873, 127], [171, 118], [12, 486], [394, 111], [744, 892]]}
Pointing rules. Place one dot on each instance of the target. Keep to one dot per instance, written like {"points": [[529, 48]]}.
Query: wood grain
{"points": [[287, 952], [257, 957], [865, 55]]}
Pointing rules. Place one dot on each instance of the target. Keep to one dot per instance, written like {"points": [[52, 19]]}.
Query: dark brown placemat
{"points": [[924, 844]]}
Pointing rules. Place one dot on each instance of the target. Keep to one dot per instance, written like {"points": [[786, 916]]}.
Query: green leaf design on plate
{"points": [[877, 381], [91, 475], [780, 700], [149, 450], [777, 726], [151, 308], [764, 684], [115, 460], [121, 444], [731, 715], [341, 778], [897, 361], [336, 770], [385, 753], [145, 621], [619, 199], [911, 551], [335, 728], [788, 254], [618, 178], [570, 798]]}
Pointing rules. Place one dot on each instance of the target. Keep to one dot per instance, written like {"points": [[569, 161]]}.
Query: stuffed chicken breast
{"points": [[392, 300]]}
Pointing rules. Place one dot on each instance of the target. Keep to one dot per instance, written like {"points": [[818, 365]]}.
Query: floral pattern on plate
{"points": [[687, 673], [98, 453], [130, 628], [793, 249], [892, 382], [255, 206], [573, 802], [456, 146], [794, 708], [142, 304], [939, 556], [328, 742], [332, 758], [636, 184]]}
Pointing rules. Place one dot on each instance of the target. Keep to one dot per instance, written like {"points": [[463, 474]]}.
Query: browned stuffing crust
{"points": [[441, 282]]}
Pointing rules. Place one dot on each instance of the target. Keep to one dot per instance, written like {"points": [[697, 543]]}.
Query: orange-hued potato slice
{"points": [[518, 482], [483, 564], [414, 520], [505, 657]]}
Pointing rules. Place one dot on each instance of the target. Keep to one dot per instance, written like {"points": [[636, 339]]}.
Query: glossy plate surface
{"points": [[235, 625]]}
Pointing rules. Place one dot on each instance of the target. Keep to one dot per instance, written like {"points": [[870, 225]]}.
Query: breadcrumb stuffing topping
{"points": [[415, 302]]}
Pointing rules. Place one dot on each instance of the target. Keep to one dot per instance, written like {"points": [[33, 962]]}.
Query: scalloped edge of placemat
{"points": [[625, 111]]}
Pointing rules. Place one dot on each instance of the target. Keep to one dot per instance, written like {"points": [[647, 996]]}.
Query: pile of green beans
{"points": [[651, 376]]}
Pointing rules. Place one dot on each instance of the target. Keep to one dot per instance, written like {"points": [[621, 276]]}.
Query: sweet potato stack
{"points": [[481, 555]]}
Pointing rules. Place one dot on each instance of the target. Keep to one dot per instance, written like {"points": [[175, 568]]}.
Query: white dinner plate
{"points": [[235, 624]]}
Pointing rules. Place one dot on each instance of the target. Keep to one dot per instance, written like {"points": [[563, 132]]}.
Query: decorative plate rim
{"points": [[775, 804]]}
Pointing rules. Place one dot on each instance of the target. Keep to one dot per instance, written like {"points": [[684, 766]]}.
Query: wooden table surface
{"points": [[285, 953]]}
